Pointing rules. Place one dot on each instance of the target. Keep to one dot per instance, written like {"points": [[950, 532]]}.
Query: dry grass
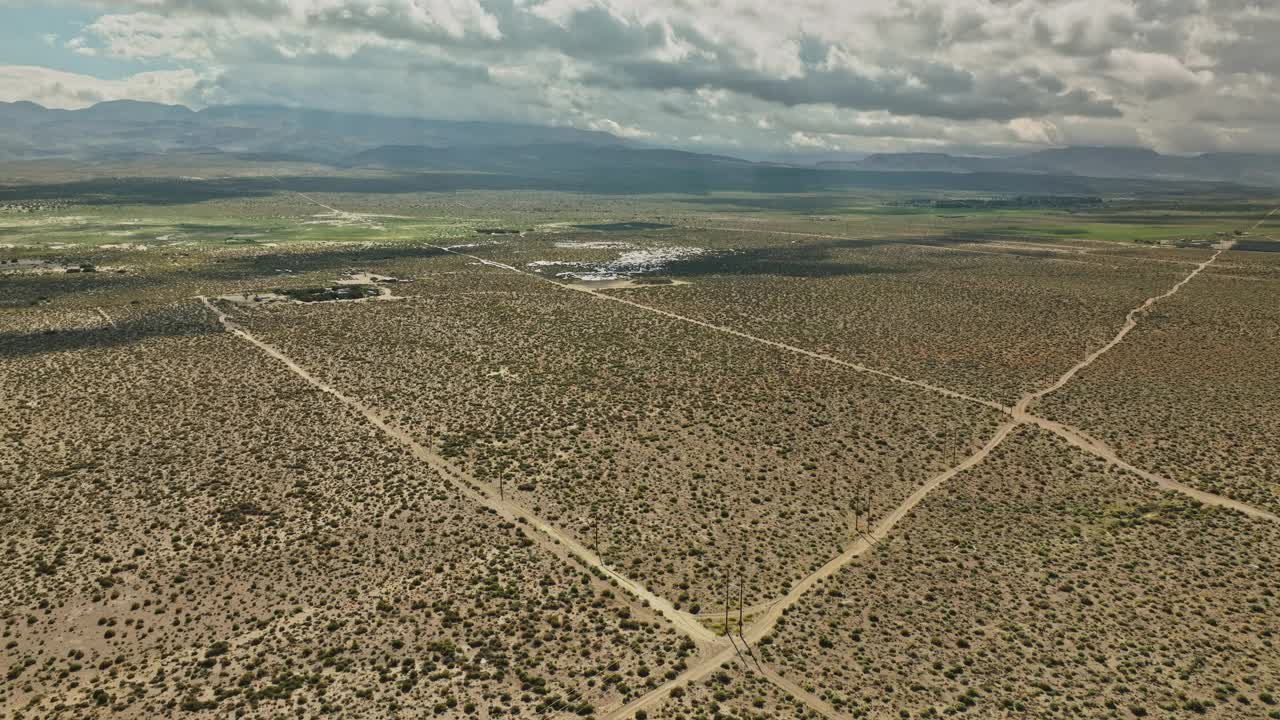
{"points": [[195, 530], [191, 528], [683, 454], [733, 694], [992, 325], [1042, 584], [1195, 390]]}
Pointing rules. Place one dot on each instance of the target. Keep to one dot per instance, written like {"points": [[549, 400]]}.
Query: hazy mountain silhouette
{"points": [[127, 129], [1099, 162]]}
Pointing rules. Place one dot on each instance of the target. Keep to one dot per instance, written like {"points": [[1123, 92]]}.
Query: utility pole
{"points": [[857, 515], [741, 596], [726, 606], [867, 509], [595, 532], [741, 583]]}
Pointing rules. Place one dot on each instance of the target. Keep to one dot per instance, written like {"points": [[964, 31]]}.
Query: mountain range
{"points": [[1098, 162], [123, 130]]}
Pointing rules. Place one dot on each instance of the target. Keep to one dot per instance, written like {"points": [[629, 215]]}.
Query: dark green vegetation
{"points": [[623, 226], [329, 294], [604, 175], [1018, 202]]}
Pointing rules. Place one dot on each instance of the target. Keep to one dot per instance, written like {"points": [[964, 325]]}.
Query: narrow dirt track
{"points": [[307, 197], [1264, 218], [551, 538], [106, 317], [717, 651], [954, 394], [1019, 412], [1130, 322], [793, 688], [765, 623], [1083, 441]]}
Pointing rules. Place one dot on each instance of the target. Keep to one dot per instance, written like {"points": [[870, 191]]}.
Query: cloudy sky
{"points": [[759, 75]]}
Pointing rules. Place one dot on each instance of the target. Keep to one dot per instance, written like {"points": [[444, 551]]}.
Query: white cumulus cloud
{"points": [[70, 91], [874, 74]]}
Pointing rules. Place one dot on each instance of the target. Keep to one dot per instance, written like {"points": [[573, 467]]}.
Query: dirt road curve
{"points": [[1081, 440], [550, 537]]}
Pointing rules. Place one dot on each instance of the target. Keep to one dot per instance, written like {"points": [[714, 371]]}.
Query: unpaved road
{"points": [[954, 394], [1079, 439], [1264, 218], [106, 317], [717, 651], [1130, 322], [555, 540], [764, 624], [308, 198], [793, 688], [1020, 412]]}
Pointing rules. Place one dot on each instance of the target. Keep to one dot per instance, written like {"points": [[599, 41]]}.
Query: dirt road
{"points": [[1082, 441], [308, 198], [1130, 322], [954, 394], [549, 536], [106, 317], [797, 691], [1019, 412], [765, 623], [716, 652]]}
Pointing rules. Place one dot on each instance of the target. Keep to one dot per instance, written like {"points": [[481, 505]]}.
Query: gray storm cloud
{"points": [[1178, 75]]}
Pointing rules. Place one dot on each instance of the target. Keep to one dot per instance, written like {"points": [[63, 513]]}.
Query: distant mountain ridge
{"points": [[548, 157], [1087, 161], [125, 129]]}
